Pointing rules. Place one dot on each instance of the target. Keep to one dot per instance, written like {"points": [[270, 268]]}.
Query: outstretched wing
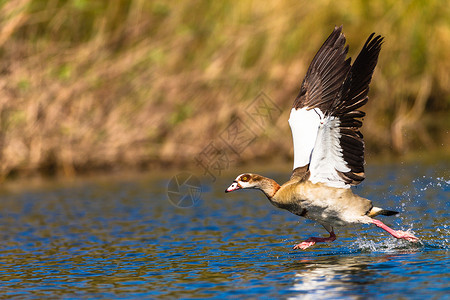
{"points": [[338, 156], [322, 83]]}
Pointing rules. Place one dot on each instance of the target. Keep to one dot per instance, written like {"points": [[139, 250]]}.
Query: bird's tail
{"points": [[375, 211]]}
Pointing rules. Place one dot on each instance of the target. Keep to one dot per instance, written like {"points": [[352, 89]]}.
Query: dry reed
{"points": [[107, 84]]}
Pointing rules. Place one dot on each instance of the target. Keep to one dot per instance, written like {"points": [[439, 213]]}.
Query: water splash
{"points": [[426, 182], [386, 245], [424, 205], [428, 197], [423, 191], [443, 240]]}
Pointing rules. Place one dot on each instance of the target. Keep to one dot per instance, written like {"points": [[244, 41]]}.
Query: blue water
{"points": [[125, 238]]}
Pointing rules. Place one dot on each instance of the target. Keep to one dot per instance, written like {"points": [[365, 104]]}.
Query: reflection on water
{"points": [[332, 277], [342, 276], [125, 239]]}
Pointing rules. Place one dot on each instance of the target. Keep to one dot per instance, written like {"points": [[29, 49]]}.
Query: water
{"points": [[125, 239]]}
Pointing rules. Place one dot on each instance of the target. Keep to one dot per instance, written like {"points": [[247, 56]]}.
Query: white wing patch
{"points": [[304, 126], [327, 156]]}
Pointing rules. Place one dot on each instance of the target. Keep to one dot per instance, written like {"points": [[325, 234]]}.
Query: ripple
{"points": [[126, 240]]}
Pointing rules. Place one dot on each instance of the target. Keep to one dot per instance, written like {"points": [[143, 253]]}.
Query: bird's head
{"points": [[245, 181]]}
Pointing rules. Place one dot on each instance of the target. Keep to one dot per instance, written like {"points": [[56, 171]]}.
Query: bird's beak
{"points": [[234, 186]]}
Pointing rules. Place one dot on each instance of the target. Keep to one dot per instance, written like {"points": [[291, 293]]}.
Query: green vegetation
{"points": [[137, 83]]}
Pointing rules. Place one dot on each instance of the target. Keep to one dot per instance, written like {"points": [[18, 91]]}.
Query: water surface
{"points": [[124, 239]]}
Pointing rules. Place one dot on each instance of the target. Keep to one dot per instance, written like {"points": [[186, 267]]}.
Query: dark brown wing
{"points": [[325, 75], [322, 84], [354, 96]]}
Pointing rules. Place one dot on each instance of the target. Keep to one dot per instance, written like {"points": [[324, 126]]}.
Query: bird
{"points": [[325, 122]]}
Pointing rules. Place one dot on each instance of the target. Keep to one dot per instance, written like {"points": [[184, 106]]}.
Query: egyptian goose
{"points": [[328, 146]]}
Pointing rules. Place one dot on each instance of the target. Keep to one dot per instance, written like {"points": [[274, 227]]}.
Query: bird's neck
{"points": [[268, 186]]}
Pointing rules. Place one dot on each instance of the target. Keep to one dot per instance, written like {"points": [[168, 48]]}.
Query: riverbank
{"points": [[106, 86]]}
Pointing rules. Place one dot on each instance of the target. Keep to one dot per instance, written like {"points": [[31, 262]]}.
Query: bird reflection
{"points": [[336, 276]]}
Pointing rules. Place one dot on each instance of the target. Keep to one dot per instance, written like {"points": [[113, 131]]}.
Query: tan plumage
{"points": [[328, 147]]}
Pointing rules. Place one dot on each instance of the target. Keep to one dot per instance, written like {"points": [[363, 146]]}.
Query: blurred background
{"points": [[90, 85]]}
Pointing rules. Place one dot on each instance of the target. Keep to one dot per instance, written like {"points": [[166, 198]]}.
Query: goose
{"points": [[328, 147]]}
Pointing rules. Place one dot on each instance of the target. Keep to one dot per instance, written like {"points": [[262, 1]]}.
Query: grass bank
{"points": [[91, 85]]}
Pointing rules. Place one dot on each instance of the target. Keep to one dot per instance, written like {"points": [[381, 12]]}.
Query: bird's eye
{"points": [[244, 178]]}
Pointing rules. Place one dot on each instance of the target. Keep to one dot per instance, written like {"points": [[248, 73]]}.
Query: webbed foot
{"points": [[312, 240]]}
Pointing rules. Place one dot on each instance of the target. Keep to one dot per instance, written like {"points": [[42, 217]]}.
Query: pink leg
{"points": [[396, 233], [312, 240]]}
